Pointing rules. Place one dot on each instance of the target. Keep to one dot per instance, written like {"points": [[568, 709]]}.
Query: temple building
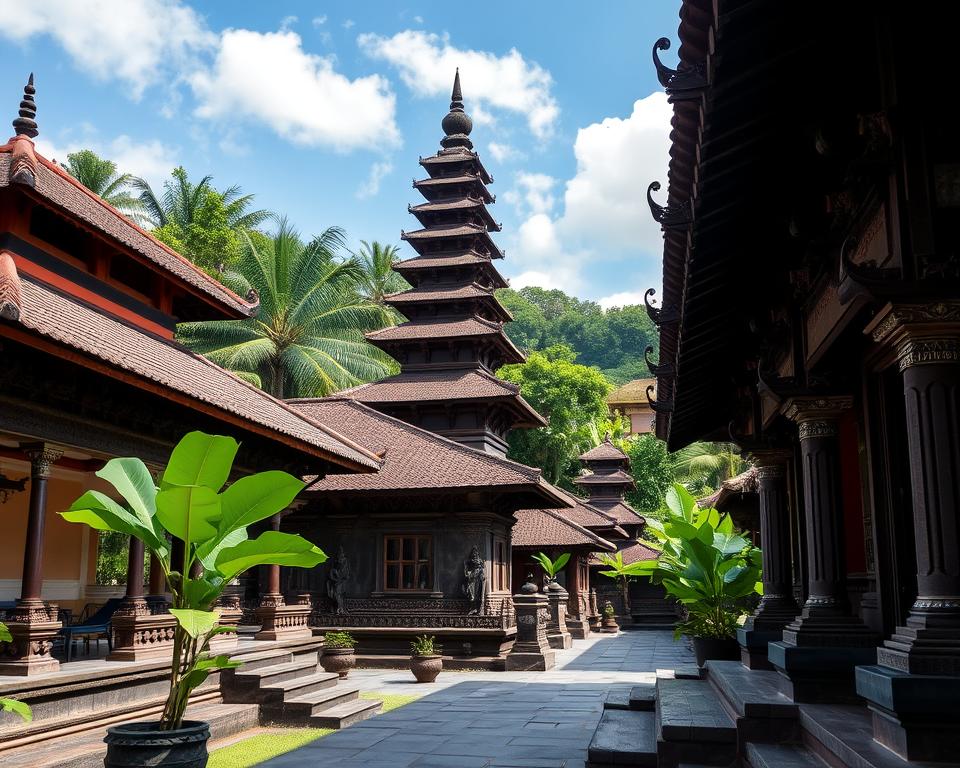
{"points": [[425, 544], [810, 311], [630, 401]]}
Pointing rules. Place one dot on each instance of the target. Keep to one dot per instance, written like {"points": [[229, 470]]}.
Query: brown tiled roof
{"points": [[429, 386], [537, 528], [614, 478], [418, 460], [167, 366], [445, 329], [9, 288], [60, 189], [434, 189], [438, 291], [632, 551], [606, 451], [745, 482], [454, 157], [633, 392], [624, 514], [418, 238], [457, 259], [463, 203]]}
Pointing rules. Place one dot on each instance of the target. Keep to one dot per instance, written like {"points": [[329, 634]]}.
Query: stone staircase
{"points": [[291, 690], [732, 717]]}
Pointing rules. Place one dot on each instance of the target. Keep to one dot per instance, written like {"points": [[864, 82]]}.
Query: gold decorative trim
{"points": [[928, 352]]}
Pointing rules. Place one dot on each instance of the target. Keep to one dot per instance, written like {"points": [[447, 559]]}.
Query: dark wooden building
{"points": [[811, 312]]}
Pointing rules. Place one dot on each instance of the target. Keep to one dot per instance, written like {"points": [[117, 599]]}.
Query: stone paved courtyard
{"points": [[497, 719]]}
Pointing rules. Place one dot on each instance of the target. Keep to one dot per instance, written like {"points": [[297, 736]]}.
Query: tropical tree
{"points": [[552, 567], [620, 572], [101, 177], [652, 471], [704, 466], [205, 225], [379, 280], [308, 337]]}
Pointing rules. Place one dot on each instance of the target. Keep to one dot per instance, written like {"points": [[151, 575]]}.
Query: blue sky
{"points": [[322, 110]]}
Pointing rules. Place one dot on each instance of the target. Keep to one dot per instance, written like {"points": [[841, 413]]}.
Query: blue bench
{"points": [[97, 625]]}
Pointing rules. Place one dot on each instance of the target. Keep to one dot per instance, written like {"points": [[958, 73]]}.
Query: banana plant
{"points": [[552, 567], [12, 705], [194, 504], [705, 564]]}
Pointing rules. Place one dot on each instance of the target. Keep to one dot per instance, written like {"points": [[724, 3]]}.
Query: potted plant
{"points": [[710, 568], [12, 705], [191, 505], [609, 621], [552, 567], [338, 654], [621, 573], [426, 660]]}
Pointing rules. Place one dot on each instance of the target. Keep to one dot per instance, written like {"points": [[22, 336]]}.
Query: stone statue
{"points": [[337, 582], [475, 582]]}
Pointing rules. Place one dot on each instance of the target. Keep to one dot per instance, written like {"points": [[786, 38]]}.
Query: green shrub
{"points": [[334, 640], [424, 645]]}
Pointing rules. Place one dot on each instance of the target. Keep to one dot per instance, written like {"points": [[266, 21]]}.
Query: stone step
{"points": [[692, 725], [86, 750], [347, 714], [618, 698], [297, 686], [276, 673], [624, 738], [299, 708], [781, 756], [261, 659], [643, 697], [752, 693]]}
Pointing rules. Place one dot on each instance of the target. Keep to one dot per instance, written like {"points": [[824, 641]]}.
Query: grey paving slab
{"points": [[499, 719]]}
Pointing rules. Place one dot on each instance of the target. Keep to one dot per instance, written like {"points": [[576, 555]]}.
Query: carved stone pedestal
{"points": [[557, 634], [531, 651], [139, 634], [283, 622], [29, 653], [578, 627]]}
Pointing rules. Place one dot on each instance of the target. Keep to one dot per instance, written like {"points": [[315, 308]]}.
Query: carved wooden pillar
{"points": [[31, 625], [821, 647], [914, 691], [777, 607], [280, 621], [156, 597], [138, 633]]}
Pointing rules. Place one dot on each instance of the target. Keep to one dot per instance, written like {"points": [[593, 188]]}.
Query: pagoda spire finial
{"points": [[457, 124], [26, 124]]}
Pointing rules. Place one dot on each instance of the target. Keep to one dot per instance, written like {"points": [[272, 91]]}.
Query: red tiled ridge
{"points": [[415, 459], [9, 288], [59, 188], [150, 359]]}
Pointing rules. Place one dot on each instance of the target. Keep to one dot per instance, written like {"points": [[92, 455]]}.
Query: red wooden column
{"points": [[30, 623], [137, 633], [280, 621]]}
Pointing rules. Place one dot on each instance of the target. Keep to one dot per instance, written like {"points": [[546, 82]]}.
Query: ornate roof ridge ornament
{"points": [[26, 122], [684, 83], [669, 216], [457, 123], [658, 406], [664, 369], [657, 314]]}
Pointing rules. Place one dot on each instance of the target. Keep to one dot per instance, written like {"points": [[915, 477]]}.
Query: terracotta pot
{"points": [[609, 624], [137, 745], [717, 648], [339, 660], [426, 668]]}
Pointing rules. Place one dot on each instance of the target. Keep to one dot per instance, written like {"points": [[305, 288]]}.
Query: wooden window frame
{"points": [[417, 537]]}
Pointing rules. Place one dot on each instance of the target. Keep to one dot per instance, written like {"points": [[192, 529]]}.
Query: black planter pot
{"points": [[144, 745], [719, 649]]}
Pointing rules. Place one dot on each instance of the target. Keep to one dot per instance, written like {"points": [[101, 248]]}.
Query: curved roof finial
{"points": [[26, 124], [457, 124]]}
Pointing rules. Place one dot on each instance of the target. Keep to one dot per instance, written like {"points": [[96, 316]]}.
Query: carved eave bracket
{"points": [[669, 216], [663, 369], [10, 295], [865, 280], [681, 84], [658, 406], [816, 407], [23, 162], [921, 334], [658, 316]]}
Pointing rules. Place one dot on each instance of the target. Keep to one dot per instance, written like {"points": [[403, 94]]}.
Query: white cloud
{"points": [[418, 19], [426, 63], [503, 153], [270, 78], [151, 160], [605, 214], [319, 21], [371, 186], [348, 23], [287, 22], [136, 41], [622, 299]]}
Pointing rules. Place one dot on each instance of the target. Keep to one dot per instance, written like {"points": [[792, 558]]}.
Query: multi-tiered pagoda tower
{"points": [[453, 340]]}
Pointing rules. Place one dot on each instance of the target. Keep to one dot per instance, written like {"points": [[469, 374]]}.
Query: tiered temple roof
{"points": [[607, 480], [453, 339]]}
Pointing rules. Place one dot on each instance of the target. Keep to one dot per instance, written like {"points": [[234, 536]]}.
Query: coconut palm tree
{"points": [[702, 466], [307, 339], [379, 279], [100, 176], [182, 199]]}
